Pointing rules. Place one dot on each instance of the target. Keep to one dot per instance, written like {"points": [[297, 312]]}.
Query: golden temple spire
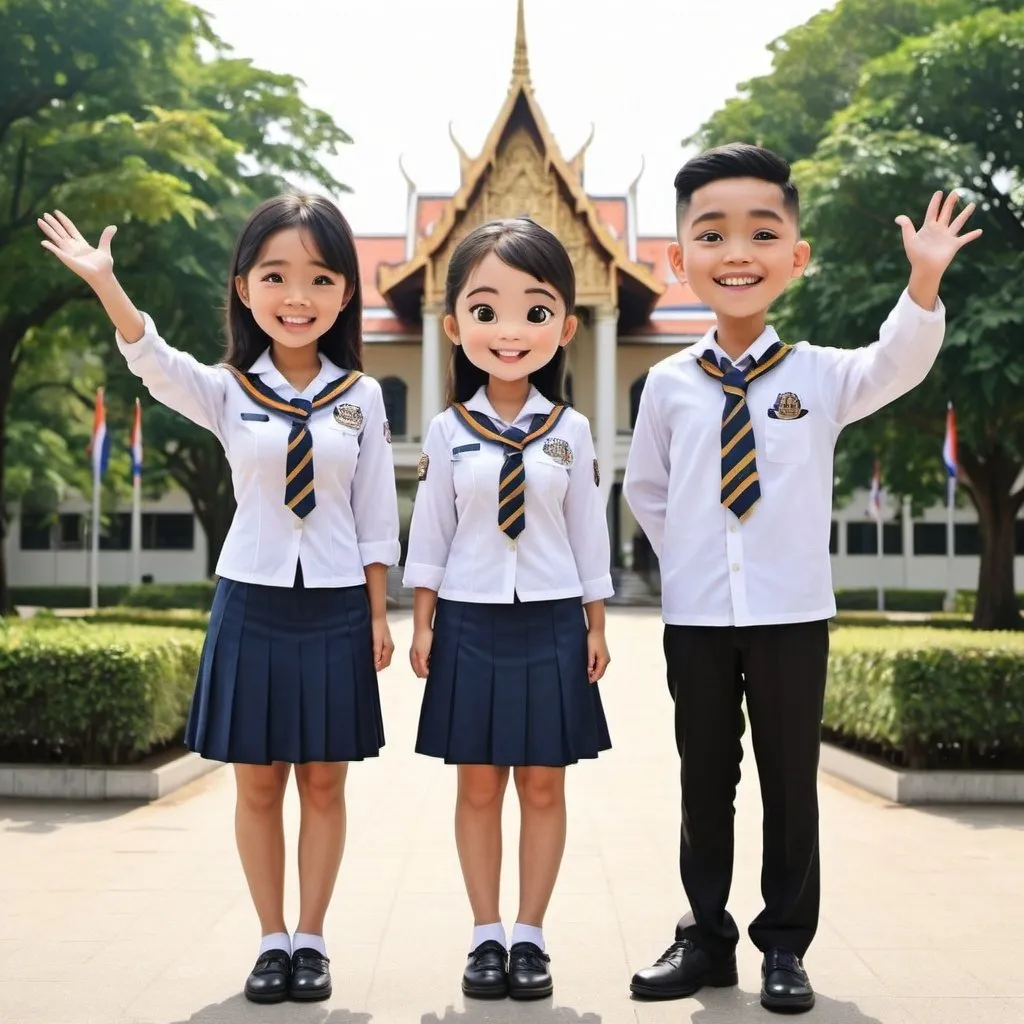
{"points": [[521, 62]]}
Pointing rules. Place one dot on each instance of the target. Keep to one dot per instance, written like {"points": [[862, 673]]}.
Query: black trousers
{"points": [[781, 671]]}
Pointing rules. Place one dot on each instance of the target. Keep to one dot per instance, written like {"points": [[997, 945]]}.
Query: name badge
{"points": [[256, 417], [463, 449]]}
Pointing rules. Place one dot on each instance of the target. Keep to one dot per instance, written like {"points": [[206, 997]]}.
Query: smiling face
{"points": [[739, 246], [292, 294], [508, 322]]}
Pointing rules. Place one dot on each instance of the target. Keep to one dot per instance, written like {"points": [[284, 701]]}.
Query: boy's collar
{"points": [[756, 350]]}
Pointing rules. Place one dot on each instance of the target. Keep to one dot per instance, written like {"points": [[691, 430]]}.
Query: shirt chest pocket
{"points": [[788, 441]]}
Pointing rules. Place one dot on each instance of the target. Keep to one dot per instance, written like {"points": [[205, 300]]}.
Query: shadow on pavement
{"points": [[734, 1006], [42, 817], [238, 1009], [509, 1011]]}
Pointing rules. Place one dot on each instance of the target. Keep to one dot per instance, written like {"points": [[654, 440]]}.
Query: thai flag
{"points": [[875, 501], [949, 453], [136, 444], [99, 447]]}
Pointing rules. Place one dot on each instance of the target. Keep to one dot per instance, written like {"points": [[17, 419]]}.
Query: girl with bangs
{"points": [[509, 558], [298, 630]]}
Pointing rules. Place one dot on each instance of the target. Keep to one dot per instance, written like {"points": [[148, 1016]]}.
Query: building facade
{"points": [[632, 314]]}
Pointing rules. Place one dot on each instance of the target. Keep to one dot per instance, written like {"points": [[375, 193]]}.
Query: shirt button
{"points": [[732, 529], [735, 566]]}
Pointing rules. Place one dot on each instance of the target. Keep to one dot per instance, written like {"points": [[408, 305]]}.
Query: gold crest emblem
{"points": [[787, 407], [597, 474], [349, 416], [559, 450], [387, 432], [422, 466]]}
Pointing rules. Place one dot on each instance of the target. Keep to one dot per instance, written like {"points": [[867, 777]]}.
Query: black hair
{"points": [[523, 244], [342, 342], [735, 160]]}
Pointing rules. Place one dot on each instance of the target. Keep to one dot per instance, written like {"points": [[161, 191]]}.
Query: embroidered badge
{"points": [[349, 416], [559, 450], [597, 474], [387, 432], [422, 466], [787, 407]]}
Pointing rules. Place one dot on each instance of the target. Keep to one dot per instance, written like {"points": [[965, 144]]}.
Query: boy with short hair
{"points": [[730, 476]]}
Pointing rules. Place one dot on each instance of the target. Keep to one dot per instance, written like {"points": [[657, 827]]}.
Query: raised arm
{"points": [[173, 378]]}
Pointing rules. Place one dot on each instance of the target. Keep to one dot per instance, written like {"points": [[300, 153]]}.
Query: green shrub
{"points": [[198, 596], [928, 698], [66, 597], [72, 692], [174, 618]]}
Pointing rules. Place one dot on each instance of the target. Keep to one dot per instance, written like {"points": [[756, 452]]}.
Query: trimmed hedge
{"points": [[198, 596], [76, 693], [927, 698], [174, 618], [66, 597]]}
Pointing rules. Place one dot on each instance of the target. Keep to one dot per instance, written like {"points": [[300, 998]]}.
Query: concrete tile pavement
{"points": [[119, 914]]}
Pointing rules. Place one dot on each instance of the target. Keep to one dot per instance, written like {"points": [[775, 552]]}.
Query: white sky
{"points": [[393, 73]]}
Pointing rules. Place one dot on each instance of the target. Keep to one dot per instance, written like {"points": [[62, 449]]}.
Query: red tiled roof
{"points": [[612, 212], [654, 251], [373, 250]]}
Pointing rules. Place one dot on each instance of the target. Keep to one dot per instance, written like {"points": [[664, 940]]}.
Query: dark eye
{"points": [[765, 236], [322, 279], [483, 314], [539, 315], [273, 278], [710, 236]]}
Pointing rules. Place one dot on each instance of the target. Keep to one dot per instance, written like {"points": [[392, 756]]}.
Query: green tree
{"points": [[939, 110], [109, 110]]}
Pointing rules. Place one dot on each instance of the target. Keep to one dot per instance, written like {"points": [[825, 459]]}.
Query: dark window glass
{"points": [[833, 539], [116, 535], [636, 389], [966, 539], [36, 531], [395, 396], [71, 530], [168, 531], [929, 538]]}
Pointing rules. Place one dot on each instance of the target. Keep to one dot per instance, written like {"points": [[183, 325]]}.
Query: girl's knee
{"points": [[481, 786], [261, 787], [540, 788], [321, 786]]}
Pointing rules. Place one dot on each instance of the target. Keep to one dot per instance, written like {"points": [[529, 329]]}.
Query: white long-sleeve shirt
{"points": [[774, 567], [455, 545], [355, 522]]}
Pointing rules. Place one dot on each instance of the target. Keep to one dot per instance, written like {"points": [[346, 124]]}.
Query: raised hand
{"points": [[65, 241], [931, 248]]}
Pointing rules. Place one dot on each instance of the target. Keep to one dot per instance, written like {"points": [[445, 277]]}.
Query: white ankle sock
{"points": [[276, 940], [528, 933], [304, 940], [488, 932]]}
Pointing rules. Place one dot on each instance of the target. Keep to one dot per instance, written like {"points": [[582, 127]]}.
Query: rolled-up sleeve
{"points": [[645, 484], [374, 496], [585, 520], [176, 379], [861, 381], [434, 518]]}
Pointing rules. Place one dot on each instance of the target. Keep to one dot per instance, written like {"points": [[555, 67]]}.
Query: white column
{"points": [[430, 366], [907, 524], [605, 339]]}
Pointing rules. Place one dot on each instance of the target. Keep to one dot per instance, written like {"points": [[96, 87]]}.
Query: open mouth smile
{"points": [[739, 281], [508, 355]]}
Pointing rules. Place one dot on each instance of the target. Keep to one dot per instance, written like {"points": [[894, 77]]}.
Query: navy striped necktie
{"points": [[512, 481], [741, 488], [299, 492]]}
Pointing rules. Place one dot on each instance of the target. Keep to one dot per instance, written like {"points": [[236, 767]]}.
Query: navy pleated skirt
{"points": [[286, 675], [508, 686]]}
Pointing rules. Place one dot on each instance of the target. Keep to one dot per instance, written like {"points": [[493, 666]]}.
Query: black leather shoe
{"points": [[682, 970], [785, 987], [268, 981], [528, 974], [311, 976], [486, 973]]}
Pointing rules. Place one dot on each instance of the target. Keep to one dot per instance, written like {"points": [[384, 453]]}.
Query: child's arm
{"points": [[431, 532], [645, 484], [861, 381], [172, 377], [586, 524]]}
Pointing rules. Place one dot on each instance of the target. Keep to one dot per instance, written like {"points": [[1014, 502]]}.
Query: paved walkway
{"points": [[116, 914]]}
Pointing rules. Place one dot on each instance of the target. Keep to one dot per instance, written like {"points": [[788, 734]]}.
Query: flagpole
{"points": [[94, 525], [136, 501], [881, 564], [950, 603]]}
